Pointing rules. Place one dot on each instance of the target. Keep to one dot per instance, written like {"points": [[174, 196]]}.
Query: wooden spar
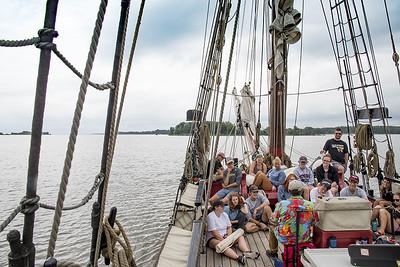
{"points": [[277, 112], [46, 36]]}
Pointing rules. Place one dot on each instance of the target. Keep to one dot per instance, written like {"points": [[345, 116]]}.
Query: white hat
{"points": [[296, 185]]}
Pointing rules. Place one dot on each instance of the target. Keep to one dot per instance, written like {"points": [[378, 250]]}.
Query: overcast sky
{"points": [[166, 69]]}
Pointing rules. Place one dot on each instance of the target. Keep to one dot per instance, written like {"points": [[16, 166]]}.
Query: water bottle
{"points": [[332, 242], [374, 226]]}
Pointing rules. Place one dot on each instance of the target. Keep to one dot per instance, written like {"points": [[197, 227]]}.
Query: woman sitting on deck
{"points": [[219, 227], [237, 211], [258, 169], [283, 189], [276, 175]]}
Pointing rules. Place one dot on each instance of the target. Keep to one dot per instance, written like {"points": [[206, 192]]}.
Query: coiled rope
{"points": [[358, 161], [119, 256], [74, 129], [372, 163], [389, 168], [364, 136]]}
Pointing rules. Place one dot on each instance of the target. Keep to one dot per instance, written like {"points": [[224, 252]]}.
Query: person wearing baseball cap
{"points": [[304, 173], [232, 177], [353, 190], [284, 220]]}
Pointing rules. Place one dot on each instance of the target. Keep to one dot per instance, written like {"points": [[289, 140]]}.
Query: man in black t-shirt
{"points": [[338, 150]]}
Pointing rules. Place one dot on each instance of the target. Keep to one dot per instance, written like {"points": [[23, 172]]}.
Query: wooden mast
{"points": [[277, 112]]}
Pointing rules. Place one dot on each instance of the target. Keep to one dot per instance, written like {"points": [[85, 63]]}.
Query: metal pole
{"points": [[37, 124], [112, 95]]}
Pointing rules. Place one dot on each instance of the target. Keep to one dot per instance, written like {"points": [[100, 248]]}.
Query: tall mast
{"points": [[284, 32]]}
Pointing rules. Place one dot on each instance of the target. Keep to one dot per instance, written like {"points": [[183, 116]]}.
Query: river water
{"points": [[144, 177]]}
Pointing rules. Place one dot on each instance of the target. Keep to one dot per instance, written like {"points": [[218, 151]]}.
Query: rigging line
{"points": [[261, 62], [75, 127], [239, 44], [205, 37], [254, 45], [128, 69], [395, 56], [249, 42], [299, 78], [110, 135], [379, 92], [289, 94]]}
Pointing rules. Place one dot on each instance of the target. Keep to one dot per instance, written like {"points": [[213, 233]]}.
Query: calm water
{"points": [[145, 173]]}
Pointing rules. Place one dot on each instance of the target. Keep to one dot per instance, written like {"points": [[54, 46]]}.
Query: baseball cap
{"points": [[303, 158], [354, 178], [296, 185], [229, 160]]}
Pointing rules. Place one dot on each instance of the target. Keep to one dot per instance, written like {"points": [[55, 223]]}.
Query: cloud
{"points": [[166, 69]]}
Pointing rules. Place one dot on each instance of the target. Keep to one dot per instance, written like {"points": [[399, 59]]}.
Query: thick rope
{"points": [[358, 160], [11, 217], [364, 136], [67, 264], [19, 43], [372, 164], [389, 168], [111, 141], [119, 257], [75, 127], [98, 180], [97, 86], [395, 55]]}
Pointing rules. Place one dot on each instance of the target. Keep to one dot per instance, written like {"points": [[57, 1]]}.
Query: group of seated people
{"points": [[297, 189]]}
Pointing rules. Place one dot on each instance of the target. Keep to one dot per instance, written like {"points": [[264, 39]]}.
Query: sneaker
{"points": [[241, 259], [251, 254], [271, 254]]}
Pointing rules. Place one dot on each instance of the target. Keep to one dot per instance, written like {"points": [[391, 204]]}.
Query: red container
{"points": [[288, 254], [343, 238]]}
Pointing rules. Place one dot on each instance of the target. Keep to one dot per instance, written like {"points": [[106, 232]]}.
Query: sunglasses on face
{"points": [[396, 200], [338, 133], [303, 162]]}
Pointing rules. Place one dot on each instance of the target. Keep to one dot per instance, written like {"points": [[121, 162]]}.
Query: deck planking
{"points": [[257, 242]]}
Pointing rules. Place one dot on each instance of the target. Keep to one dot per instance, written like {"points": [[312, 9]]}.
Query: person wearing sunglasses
{"points": [[385, 217], [339, 151]]}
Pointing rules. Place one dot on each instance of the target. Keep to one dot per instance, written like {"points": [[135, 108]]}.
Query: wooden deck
{"points": [[257, 242]]}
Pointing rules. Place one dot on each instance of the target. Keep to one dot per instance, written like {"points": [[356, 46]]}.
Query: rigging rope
{"points": [[389, 167], [299, 77], [74, 128], [113, 130], [119, 257], [395, 55], [372, 163], [19, 43]]}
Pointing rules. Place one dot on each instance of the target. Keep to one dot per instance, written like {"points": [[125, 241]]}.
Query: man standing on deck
{"points": [[231, 182], [338, 150], [284, 220]]}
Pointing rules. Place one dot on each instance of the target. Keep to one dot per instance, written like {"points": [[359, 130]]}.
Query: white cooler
{"points": [[343, 213]]}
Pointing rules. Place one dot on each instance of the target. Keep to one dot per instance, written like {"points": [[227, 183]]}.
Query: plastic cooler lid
{"points": [[327, 257]]}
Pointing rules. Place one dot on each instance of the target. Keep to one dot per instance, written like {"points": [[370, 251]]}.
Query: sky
{"points": [[165, 75]]}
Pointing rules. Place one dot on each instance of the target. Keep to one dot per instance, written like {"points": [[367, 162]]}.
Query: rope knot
{"points": [[46, 36], [29, 205]]}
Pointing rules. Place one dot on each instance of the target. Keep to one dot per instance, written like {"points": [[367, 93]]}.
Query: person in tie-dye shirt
{"points": [[284, 219]]}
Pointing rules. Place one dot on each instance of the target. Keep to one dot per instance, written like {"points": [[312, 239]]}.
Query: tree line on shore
{"points": [[228, 128]]}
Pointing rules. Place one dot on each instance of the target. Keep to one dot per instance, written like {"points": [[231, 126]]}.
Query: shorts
{"points": [[224, 192]]}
